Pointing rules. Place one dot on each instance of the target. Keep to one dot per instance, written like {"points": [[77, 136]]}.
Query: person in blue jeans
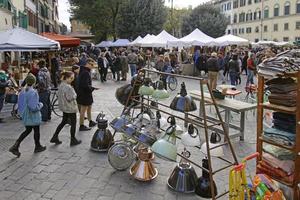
{"points": [[132, 61], [31, 116], [234, 69]]}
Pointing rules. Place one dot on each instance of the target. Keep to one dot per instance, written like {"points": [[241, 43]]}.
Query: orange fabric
{"points": [[65, 41]]}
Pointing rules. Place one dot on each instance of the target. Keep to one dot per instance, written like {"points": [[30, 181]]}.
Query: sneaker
{"points": [[74, 142], [84, 128], [40, 148], [55, 140], [92, 124]]}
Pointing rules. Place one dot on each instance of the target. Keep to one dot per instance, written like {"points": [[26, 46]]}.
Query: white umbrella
{"points": [[18, 39]]}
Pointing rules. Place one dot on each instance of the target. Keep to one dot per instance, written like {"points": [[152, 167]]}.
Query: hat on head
{"points": [[30, 79], [214, 54]]}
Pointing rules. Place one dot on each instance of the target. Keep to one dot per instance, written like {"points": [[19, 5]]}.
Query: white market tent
{"points": [[120, 43], [104, 44], [18, 39], [195, 38], [146, 38], [161, 40], [135, 42], [227, 40]]}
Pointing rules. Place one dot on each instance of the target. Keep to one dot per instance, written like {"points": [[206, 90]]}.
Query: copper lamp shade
{"points": [[143, 169], [183, 102]]}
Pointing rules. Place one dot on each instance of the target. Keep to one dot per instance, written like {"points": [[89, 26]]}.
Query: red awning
{"points": [[65, 41]]}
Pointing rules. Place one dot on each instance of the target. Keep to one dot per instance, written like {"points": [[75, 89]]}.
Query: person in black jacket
{"points": [[213, 70], [102, 67], [85, 94]]}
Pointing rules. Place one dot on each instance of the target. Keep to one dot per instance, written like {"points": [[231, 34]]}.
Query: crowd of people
{"points": [[75, 90]]}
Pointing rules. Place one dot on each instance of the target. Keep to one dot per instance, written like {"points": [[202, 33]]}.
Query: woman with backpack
{"points": [[31, 116], [68, 105]]}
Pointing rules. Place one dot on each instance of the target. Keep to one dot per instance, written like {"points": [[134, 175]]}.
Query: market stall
{"points": [[135, 42], [161, 40], [104, 44], [65, 41], [228, 40], [120, 43]]}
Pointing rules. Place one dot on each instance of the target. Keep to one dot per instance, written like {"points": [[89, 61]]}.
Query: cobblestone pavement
{"points": [[64, 172]]}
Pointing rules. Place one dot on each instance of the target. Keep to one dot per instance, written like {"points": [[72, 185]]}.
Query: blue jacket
{"points": [[31, 97]]}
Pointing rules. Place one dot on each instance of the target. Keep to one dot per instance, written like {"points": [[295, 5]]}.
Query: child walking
{"points": [[68, 105]]}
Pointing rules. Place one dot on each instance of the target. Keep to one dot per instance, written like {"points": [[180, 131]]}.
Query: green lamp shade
{"points": [[146, 90], [165, 147], [160, 94]]}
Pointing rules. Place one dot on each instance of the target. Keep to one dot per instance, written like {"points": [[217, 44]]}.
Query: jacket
{"points": [[85, 88], [44, 80], [212, 64], [132, 58], [3, 82], [233, 66], [67, 98], [29, 97]]}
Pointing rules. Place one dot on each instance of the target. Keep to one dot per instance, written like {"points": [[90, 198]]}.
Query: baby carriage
{"points": [[11, 97]]}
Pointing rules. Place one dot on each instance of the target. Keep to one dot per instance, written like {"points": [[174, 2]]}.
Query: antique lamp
{"points": [[183, 102], [160, 93], [146, 88], [191, 137], [215, 140]]}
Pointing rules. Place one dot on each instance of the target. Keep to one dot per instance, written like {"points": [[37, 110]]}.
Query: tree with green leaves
{"points": [[140, 17], [100, 15], [174, 21], [208, 19]]}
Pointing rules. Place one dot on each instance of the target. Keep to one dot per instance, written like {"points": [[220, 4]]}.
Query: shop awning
{"points": [[65, 41]]}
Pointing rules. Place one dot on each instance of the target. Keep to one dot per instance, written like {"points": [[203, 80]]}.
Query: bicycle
{"points": [[54, 103], [172, 82]]}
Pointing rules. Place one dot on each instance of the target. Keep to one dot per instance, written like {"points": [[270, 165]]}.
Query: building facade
{"points": [[36, 16], [275, 20]]}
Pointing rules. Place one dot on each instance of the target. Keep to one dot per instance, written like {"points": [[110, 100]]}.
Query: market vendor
{"points": [[3, 87]]}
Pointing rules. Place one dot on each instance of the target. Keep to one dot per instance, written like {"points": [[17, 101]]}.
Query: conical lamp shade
{"points": [[183, 102], [215, 139], [160, 93], [165, 147], [191, 137], [146, 89]]}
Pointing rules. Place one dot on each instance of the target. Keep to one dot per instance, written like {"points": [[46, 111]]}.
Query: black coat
{"points": [[85, 88]]}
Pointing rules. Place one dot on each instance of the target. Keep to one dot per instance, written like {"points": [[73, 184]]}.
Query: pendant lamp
{"points": [[183, 178], [183, 102], [191, 137], [165, 147], [146, 88], [172, 121], [203, 188], [160, 93], [215, 140]]}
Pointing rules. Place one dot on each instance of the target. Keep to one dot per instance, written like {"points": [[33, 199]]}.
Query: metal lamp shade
{"points": [[160, 93], [123, 93], [165, 147], [143, 169], [191, 137], [183, 179], [217, 152], [183, 102], [120, 156], [145, 137], [102, 140], [119, 122], [146, 89]]}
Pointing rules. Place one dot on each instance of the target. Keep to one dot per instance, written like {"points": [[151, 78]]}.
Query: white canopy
{"points": [[135, 42], [267, 43], [146, 38], [18, 39], [229, 40], [195, 38], [161, 40], [104, 44], [120, 43]]}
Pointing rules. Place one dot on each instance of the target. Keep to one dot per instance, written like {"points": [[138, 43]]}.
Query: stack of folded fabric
{"points": [[285, 122], [281, 64], [283, 91], [279, 136], [277, 162]]}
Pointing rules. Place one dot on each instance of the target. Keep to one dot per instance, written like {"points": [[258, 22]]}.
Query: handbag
{"points": [[11, 98], [30, 118]]}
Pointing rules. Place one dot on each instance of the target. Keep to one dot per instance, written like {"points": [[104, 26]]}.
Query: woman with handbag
{"points": [[68, 105], [31, 116]]}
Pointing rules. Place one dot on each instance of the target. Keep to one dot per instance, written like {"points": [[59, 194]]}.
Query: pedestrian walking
{"points": [[31, 116], [251, 67], [124, 66], [132, 61], [44, 87], [213, 70], [244, 63], [68, 105], [102, 67], [3, 86], [55, 70], [234, 69], [85, 94]]}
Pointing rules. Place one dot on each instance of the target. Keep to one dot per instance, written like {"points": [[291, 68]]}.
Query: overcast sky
{"points": [[64, 6]]}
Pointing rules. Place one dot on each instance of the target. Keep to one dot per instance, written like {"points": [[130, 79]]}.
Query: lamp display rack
{"points": [[261, 106], [200, 121]]}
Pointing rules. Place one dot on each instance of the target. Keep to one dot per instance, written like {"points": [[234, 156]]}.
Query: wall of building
{"points": [[264, 26], [79, 27], [5, 19]]}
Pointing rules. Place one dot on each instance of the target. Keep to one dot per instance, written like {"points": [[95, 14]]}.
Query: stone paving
{"points": [[71, 173]]}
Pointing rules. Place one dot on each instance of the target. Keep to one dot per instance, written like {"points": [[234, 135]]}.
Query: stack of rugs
{"points": [[283, 91], [277, 162], [283, 63], [283, 131]]}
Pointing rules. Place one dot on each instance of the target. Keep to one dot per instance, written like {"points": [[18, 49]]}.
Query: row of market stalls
{"points": [[164, 39]]}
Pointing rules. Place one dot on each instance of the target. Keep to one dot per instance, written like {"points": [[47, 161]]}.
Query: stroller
{"points": [[12, 96]]}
